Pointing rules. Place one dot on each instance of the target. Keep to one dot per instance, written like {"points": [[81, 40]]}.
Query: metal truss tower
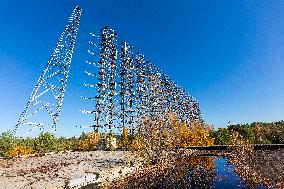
{"points": [[127, 87], [132, 91], [141, 89], [45, 103], [104, 111]]}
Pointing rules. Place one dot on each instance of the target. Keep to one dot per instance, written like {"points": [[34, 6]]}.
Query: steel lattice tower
{"points": [[145, 94], [141, 89], [104, 111], [127, 87], [48, 93]]}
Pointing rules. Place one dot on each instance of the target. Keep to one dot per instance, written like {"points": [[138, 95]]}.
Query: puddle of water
{"points": [[191, 172], [226, 176]]}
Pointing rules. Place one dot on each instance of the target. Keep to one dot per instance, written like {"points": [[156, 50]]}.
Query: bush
{"points": [[197, 134], [44, 143], [160, 135], [66, 144], [89, 142], [18, 151], [7, 142], [136, 144], [261, 133]]}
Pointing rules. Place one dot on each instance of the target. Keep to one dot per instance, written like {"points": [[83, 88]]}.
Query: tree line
{"points": [[254, 133]]}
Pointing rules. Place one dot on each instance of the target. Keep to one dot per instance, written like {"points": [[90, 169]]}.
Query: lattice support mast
{"points": [[145, 92], [48, 93], [99, 98], [110, 57], [141, 89], [122, 91], [127, 87], [105, 99]]}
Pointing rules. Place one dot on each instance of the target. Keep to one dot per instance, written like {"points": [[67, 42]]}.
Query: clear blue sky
{"points": [[229, 54]]}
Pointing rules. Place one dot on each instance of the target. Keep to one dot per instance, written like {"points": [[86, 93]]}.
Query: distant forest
{"points": [[254, 133]]}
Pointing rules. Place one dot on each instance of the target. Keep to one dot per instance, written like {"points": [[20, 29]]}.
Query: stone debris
{"points": [[61, 170]]}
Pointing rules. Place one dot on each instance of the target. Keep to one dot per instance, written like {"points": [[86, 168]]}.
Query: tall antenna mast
{"points": [[48, 93]]}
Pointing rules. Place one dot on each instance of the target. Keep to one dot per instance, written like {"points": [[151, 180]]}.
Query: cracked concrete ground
{"points": [[58, 170]]}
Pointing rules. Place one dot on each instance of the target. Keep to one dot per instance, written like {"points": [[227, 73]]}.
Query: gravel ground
{"points": [[58, 170]]}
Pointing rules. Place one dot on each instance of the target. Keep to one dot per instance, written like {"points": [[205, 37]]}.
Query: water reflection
{"points": [[226, 176], [187, 172]]}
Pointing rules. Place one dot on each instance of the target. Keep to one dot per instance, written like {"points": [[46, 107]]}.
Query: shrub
{"points": [[83, 136], [276, 134], [160, 135], [90, 142], [198, 135], [261, 133], [28, 142], [44, 143], [66, 144], [18, 151], [136, 144], [7, 142]]}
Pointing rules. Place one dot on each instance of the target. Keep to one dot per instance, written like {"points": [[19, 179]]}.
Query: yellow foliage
{"points": [[194, 162], [182, 134], [18, 151], [90, 142], [198, 135], [206, 162], [124, 138], [136, 144], [156, 136], [173, 121]]}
